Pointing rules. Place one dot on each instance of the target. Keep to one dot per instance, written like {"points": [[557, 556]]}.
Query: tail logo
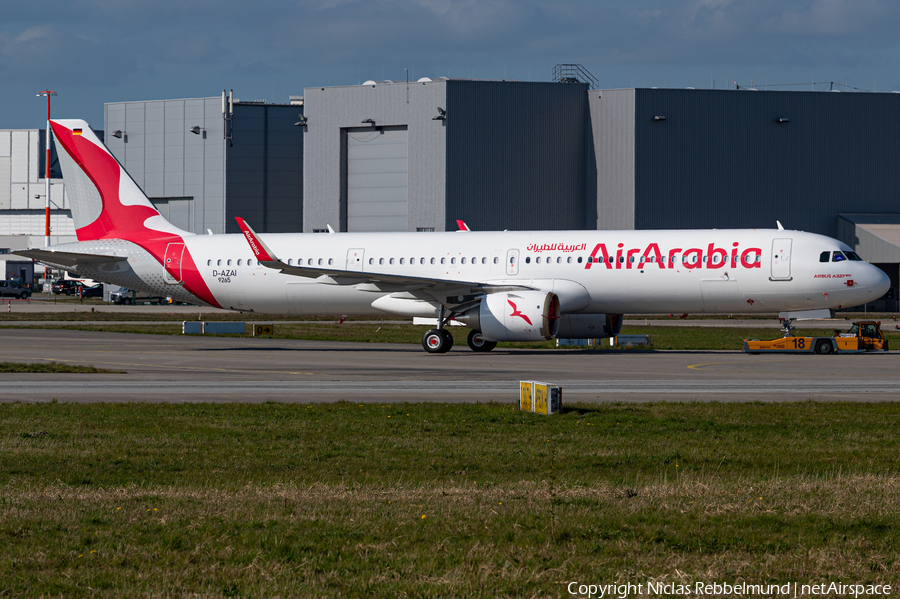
{"points": [[517, 312]]}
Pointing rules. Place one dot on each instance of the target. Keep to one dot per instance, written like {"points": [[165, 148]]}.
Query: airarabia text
{"points": [[709, 257]]}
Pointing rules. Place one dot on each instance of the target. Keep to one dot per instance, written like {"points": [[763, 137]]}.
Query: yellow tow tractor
{"points": [[863, 336]]}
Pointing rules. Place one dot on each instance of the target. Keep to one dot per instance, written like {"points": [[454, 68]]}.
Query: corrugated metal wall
{"points": [[721, 158], [22, 201], [330, 110], [166, 160], [265, 169], [516, 155]]}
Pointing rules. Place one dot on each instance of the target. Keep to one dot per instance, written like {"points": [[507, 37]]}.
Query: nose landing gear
{"points": [[439, 340]]}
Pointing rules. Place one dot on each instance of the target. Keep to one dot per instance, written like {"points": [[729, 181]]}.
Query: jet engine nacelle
{"points": [[589, 326], [515, 316]]}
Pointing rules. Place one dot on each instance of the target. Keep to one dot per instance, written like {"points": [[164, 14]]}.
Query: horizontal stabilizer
{"points": [[69, 260]]}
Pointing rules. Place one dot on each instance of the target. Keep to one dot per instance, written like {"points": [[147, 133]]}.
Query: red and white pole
{"points": [[47, 93]]}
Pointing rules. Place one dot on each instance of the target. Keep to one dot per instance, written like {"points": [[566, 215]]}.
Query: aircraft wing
{"points": [[69, 260], [368, 281]]}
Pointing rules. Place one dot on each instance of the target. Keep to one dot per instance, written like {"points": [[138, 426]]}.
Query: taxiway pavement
{"points": [[198, 368]]}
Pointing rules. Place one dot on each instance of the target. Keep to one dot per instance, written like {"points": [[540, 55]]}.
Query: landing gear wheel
{"points": [[823, 347], [478, 343], [437, 341], [448, 338]]}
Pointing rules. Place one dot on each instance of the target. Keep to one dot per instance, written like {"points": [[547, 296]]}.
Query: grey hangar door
{"points": [[376, 181]]}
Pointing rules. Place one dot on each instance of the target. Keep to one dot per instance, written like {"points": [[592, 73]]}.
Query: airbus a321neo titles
{"points": [[505, 286]]}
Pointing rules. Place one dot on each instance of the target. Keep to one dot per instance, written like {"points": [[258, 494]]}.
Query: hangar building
{"points": [[391, 156], [418, 156], [203, 161], [22, 189]]}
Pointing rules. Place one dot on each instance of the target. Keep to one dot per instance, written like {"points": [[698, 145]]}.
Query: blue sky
{"points": [[99, 51]]}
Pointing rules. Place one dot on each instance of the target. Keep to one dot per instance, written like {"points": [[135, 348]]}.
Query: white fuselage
{"points": [[697, 271]]}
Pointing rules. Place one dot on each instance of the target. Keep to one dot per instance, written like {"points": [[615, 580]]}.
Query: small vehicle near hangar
{"points": [[13, 289], [863, 336]]}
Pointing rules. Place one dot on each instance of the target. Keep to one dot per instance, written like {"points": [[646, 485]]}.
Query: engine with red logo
{"points": [[515, 316]]}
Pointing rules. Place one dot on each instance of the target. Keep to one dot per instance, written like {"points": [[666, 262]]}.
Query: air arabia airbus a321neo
{"points": [[506, 286]]}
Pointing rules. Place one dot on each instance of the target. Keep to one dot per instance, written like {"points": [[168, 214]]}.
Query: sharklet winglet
{"points": [[259, 248]]}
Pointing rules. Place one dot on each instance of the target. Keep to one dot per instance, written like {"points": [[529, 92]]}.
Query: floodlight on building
{"points": [[659, 118], [783, 120], [369, 122], [442, 114], [301, 122], [118, 133], [195, 130]]}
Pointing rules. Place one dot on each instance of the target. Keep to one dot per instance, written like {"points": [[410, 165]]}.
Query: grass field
{"points": [[54, 367], [348, 500]]}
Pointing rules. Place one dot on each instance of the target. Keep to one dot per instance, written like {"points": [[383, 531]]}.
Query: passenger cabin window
{"points": [[838, 257], [218, 263], [824, 256], [527, 260], [249, 262], [239, 262], [496, 260], [209, 262]]}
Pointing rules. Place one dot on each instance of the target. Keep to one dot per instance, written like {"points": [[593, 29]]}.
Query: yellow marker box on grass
{"points": [[541, 398], [526, 403]]}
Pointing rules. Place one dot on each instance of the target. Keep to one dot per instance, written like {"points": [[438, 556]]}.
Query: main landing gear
{"points": [[478, 343], [439, 340]]}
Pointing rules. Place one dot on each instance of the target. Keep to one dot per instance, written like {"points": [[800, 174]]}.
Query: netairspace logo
{"points": [[722, 589]]}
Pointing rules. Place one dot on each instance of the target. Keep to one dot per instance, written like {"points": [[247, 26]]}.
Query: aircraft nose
{"points": [[878, 281]]}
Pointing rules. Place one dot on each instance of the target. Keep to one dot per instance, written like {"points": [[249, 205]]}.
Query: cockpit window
{"points": [[824, 256], [853, 256], [838, 257]]}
